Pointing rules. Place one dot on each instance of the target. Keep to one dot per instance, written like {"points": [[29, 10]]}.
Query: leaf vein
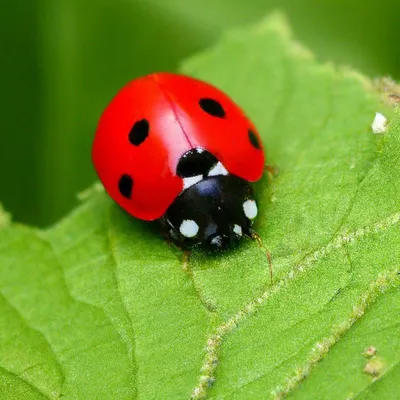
{"points": [[377, 288], [129, 343], [31, 385], [376, 380], [216, 338]]}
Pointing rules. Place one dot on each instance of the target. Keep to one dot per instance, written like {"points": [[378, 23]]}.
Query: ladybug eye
{"points": [[139, 132], [125, 186], [254, 139], [212, 107]]}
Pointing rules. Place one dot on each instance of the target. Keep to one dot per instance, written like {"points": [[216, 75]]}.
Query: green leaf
{"points": [[100, 306]]}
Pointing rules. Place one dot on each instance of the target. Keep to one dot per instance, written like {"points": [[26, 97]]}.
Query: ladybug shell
{"points": [[142, 177]]}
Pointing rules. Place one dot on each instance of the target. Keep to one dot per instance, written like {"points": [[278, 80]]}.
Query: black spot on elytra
{"points": [[212, 107], [254, 140], [195, 162], [125, 186], [139, 132]]}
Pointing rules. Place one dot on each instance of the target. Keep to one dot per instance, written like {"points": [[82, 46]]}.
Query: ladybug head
{"points": [[215, 209]]}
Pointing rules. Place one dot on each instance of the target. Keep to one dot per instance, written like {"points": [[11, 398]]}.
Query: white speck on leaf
{"points": [[379, 124]]}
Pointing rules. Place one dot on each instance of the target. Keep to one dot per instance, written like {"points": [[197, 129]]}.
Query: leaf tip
{"points": [[277, 22]]}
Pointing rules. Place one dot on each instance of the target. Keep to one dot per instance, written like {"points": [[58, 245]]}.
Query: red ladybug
{"points": [[177, 149]]}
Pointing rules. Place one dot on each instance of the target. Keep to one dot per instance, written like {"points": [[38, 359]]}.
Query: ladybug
{"points": [[176, 149]]}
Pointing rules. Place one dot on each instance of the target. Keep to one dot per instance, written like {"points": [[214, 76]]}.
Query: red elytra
{"points": [[176, 123]]}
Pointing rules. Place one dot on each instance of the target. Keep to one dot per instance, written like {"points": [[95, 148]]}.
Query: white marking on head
{"points": [[187, 182], [217, 241], [238, 230], [188, 228], [219, 169], [250, 209], [199, 150], [379, 123]]}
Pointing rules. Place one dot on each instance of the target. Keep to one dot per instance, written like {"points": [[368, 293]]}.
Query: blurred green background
{"points": [[63, 60]]}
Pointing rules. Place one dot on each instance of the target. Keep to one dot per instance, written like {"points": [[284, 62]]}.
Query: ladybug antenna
{"points": [[185, 260], [255, 236]]}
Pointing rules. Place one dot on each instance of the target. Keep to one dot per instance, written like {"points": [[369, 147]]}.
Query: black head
{"points": [[215, 212]]}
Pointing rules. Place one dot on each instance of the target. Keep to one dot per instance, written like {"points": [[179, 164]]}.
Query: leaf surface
{"points": [[100, 306]]}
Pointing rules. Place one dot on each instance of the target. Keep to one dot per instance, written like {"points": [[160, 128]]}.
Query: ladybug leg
{"points": [[173, 237], [167, 238], [256, 237], [166, 232], [272, 170]]}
